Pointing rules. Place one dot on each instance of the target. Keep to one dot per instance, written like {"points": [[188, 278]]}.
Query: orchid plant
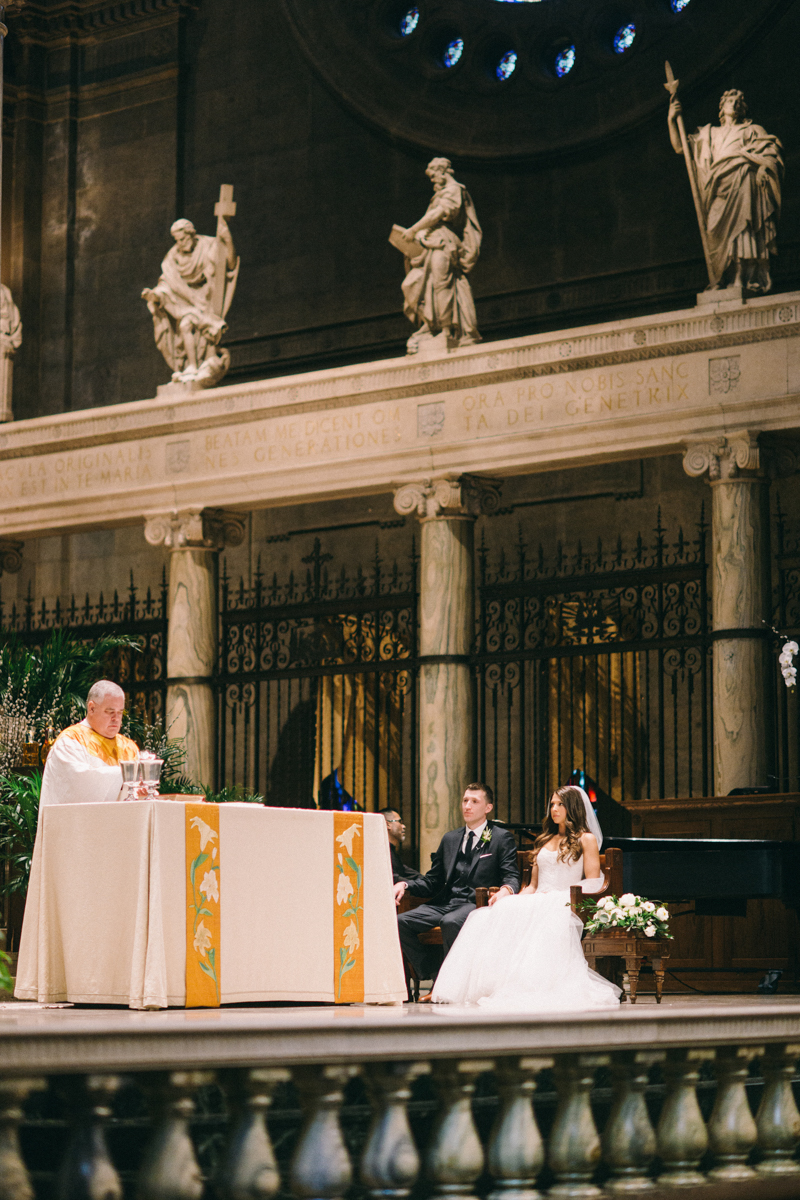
{"points": [[635, 913], [788, 669]]}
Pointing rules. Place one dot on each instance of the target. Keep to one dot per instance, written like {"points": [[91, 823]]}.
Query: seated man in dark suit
{"points": [[397, 835], [478, 855]]}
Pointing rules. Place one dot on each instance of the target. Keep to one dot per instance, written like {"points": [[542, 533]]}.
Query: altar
{"points": [[109, 915]]}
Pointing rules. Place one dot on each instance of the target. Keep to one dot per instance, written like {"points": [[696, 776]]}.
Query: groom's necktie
{"points": [[470, 846]]}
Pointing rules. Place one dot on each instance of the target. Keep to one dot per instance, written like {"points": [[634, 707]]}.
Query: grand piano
{"points": [[719, 875]]}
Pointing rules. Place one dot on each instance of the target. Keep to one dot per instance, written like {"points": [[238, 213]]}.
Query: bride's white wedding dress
{"points": [[524, 953]]}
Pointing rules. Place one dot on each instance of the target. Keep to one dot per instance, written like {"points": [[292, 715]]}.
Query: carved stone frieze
{"points": [[461, 495], [735, 455], [38, 22], [194, 528], [10, 556]]}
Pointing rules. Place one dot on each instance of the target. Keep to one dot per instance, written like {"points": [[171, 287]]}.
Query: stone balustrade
{"points": [[322, 1108]]}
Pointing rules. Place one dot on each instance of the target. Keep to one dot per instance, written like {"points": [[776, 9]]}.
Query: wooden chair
{"points": [[433, 937], [616, 944]]}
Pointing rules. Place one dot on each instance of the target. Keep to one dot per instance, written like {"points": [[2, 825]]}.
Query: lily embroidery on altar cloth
{"points": [[203, 907], [348, 848]]}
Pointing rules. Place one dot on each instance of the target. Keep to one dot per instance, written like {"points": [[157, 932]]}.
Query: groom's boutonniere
{"points": [[485, 837]]}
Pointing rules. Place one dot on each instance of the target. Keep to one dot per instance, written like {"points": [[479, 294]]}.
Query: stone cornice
{"points": [[82, 19], [530, 404], [639, 339]]}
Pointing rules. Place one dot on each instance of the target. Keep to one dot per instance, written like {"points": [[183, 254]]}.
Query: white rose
{"points": [[602, 918], [650, 930], [628, 900], [662, 914], [648, 906]]}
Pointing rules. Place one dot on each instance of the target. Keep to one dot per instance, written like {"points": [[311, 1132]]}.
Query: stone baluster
{"points": [[87, 1172], [321, 1168], [681, 1136], [15, 1183], [248, 1170], [169, 1169], [574, 1147], [447, 509], [390, 1162], [454, 1157], [740, 599], [629, 1140], [777, 1120], [194, 537], [515, 1154], [732, 1131]]}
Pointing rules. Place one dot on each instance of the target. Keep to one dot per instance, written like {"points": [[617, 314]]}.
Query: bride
{"points": [[523, 954]]}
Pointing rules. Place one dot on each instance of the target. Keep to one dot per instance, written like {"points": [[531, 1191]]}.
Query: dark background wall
{"points": [[120, 121]]}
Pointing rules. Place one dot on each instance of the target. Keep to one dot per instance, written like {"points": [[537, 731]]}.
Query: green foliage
{"points": [[19, 814], [230, 795], [6, 981], [55, 677]]}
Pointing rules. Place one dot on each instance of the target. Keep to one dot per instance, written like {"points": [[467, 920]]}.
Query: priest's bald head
{"points": [[105, 705]]}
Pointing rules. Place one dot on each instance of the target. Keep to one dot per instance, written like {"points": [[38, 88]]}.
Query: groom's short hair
{"points": [[481, 787]]}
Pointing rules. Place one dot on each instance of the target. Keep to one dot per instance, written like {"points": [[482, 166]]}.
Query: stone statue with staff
{"points": [[735, 171], [191, 299]]}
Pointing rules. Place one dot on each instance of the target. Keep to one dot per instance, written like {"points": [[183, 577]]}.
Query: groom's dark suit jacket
{"points": [[493, 865]]}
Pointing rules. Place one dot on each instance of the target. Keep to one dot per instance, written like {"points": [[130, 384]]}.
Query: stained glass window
{"points": [[507, 65], [565, 61], [409, 22], [679, 5], [623, 38], [453, 52]]}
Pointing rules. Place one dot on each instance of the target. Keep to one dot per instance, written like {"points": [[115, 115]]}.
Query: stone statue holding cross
{"points": [[191, 299]]}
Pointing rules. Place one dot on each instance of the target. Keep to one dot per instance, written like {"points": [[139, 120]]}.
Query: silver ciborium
{"points": [[130, 779], [150, 775]]}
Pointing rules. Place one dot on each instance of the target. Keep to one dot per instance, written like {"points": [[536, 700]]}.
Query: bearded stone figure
{"points": [[190, 301], [739, 171], [440, 251]]}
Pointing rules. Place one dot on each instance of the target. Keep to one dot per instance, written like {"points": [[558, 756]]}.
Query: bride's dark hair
{"points": [[575, 824]]}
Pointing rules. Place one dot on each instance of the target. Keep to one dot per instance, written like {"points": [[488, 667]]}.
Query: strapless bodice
{"points": [[555, 876]]}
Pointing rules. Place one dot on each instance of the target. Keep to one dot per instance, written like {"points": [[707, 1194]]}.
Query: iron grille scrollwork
{"points": [[596, 659]]}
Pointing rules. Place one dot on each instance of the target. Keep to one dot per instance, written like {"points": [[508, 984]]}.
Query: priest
{"points": [[83, 764]]}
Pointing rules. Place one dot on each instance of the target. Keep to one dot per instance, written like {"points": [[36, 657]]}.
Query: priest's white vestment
{"points": [[83, 766]]}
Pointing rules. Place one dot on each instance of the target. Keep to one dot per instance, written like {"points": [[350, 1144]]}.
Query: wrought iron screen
{"points": [[786, 619], [143, 675], [318, 675], [598, 661]]}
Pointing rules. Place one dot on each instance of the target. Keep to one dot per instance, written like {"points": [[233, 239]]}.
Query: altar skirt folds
{"points": [[523, 955]]}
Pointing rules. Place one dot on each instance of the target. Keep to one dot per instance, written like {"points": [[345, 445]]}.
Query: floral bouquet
{"points": [[629, 912]]}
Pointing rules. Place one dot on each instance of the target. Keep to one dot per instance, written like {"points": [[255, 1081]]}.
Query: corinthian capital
{"points": [[734, 456], [461, 495], [194, 528]]}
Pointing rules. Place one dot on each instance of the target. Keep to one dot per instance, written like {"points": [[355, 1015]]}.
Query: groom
{"points": [[479, 854]]}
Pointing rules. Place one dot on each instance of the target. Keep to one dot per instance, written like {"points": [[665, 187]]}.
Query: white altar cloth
{"points": [[105, 919]]}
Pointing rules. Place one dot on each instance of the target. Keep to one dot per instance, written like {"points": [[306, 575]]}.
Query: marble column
{"points": [[740, 605], [194, 536], [447, 509]]}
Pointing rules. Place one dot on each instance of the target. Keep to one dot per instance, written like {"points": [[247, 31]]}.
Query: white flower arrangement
{"points": [[788, 669], [628, 912]]}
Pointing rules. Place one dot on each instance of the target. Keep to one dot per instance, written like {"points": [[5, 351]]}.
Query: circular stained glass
{"points": [[623, 38], [679, 5], [507, 65], [564, 61], [453, 52], [409, 22]]}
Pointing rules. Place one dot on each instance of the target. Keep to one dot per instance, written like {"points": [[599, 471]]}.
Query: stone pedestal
{"points": [[447, 509], [740, 606], [194, 537]]}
